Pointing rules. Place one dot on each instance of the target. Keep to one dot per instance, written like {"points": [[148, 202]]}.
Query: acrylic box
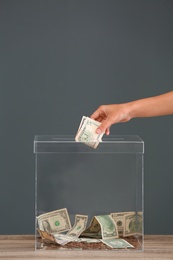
{"points": [[91, 198]]}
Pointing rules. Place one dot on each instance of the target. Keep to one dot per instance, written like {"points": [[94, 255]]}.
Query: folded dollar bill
{"points": [[63, 239], [87, 132], [133, 224], [79, 225], [102, 226], [128, 223]]}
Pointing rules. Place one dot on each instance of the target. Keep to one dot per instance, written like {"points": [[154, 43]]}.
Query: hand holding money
{"points": [[87, 132]]}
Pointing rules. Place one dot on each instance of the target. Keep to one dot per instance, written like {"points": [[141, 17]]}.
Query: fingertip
{"points": [[107, 132], [98, 131]]}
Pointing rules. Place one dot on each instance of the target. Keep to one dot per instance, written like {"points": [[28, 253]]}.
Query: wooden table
{"points": [[22, 247]]}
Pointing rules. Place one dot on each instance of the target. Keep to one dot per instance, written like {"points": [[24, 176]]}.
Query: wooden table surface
{"points": [[22, 247]]}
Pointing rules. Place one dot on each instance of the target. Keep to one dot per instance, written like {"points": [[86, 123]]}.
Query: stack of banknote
{"points": [[87, 132], [56, 227]]}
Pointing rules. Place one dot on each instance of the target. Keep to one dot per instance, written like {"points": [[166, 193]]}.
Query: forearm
{"points": [[152, 106], [146, 107]]}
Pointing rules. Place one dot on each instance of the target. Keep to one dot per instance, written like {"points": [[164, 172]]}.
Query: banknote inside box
{"points": [[89, 199]]}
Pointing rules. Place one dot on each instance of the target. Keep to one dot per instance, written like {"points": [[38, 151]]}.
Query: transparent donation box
{"points": [[89, 199]]}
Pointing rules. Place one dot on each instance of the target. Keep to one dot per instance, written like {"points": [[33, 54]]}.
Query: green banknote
{"points": [[117, 243], [55, 221], [102, 227], [79, 225]]}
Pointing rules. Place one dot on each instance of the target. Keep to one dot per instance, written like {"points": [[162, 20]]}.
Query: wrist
{"points": [[132, 109]]}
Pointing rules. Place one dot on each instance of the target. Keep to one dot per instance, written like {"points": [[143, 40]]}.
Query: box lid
{"points": [[67, 144]]}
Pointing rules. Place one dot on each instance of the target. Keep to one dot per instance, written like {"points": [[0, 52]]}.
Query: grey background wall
{"points": [[61, 59]]}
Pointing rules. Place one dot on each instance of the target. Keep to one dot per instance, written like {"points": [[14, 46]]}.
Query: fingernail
{"points": [[98, 131]]}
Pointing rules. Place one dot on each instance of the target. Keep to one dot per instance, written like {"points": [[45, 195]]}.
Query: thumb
{"points": [[102, 128]]}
